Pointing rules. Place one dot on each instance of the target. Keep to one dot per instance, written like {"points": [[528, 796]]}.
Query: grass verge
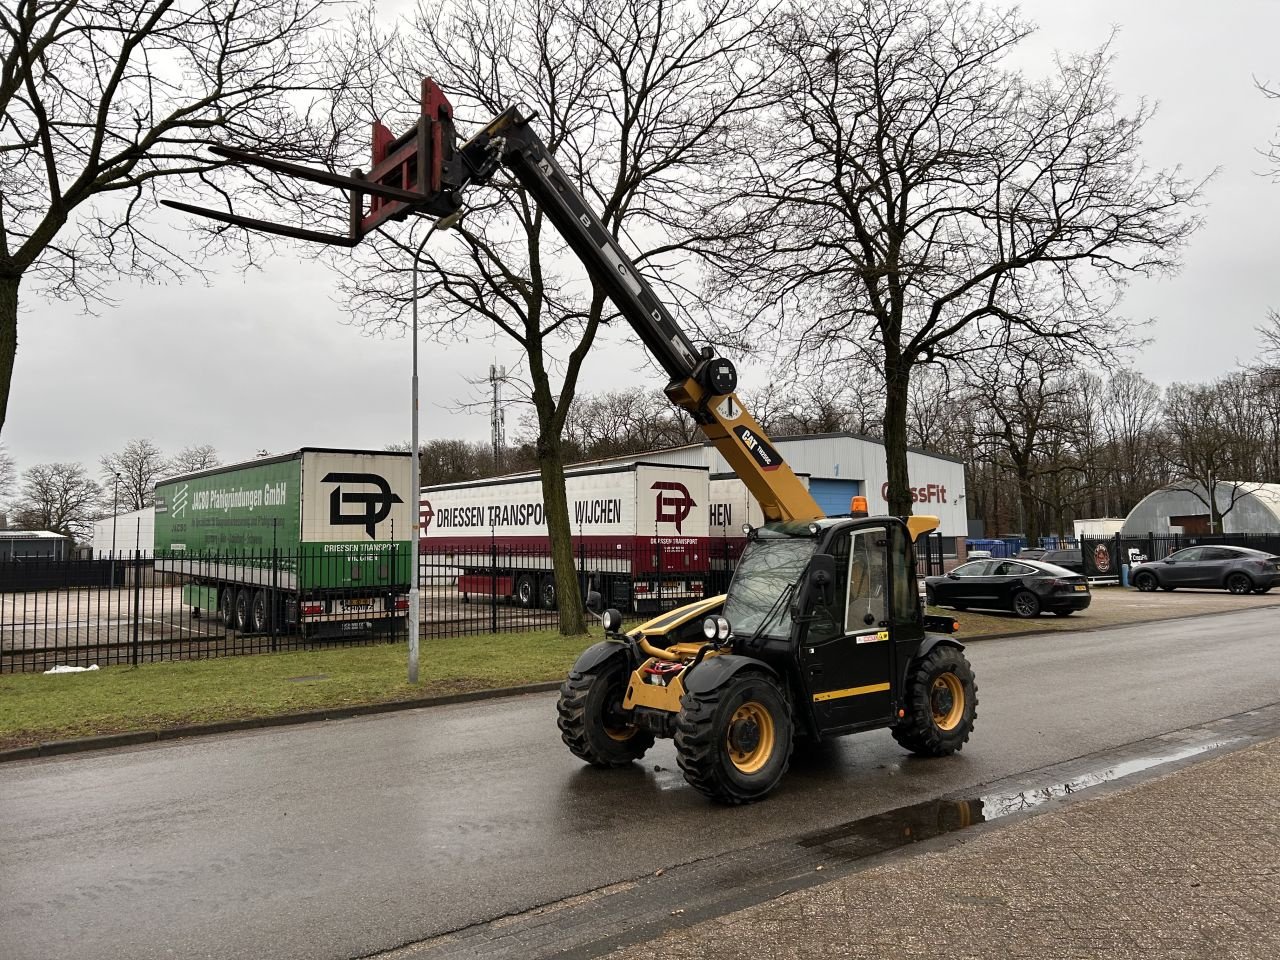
{"points": [[35, 708]]}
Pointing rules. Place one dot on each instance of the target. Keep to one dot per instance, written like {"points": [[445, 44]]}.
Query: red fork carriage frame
{"points": [[418, 172]]}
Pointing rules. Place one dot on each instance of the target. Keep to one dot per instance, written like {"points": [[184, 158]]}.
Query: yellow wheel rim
{"points": [[620, 733], [946, 700], [750, 737]]}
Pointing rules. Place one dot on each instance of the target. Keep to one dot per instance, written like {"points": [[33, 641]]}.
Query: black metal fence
{"points": [[136, 610], [84, 612]]}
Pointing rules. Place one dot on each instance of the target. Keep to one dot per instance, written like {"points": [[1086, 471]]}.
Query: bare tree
{"points": [[61, 497], [193, 457], [8, 472], [451, 461], [916, 194], [100, 100], [1209, 447], [138, 466], [631, 96]]}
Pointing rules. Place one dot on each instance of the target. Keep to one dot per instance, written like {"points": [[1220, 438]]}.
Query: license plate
{"points": [[356, 604], [1081, 588]]}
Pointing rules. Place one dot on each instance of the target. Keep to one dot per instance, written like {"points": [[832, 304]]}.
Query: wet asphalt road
{"points": [[340, 839]]}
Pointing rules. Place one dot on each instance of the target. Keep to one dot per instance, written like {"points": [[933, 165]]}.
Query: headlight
{"points": [[612, 620], [722, 628], [709, 628]]}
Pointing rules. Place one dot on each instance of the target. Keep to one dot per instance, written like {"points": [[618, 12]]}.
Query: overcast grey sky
{"points": [[268, 360]]}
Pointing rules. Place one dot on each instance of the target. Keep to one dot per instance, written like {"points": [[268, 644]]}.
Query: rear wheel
{"points": [[1026, 604], [244, 603], [227, 608], [260, 613], [524, 591], [1145, 582], [547, 593], [941, 704], [1239, 583], [592, 722], [734, 743]]}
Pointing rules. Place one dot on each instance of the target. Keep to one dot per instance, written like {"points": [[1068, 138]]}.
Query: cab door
{"points": [[846, 655]]}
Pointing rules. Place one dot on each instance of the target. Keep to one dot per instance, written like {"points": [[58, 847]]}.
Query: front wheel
{"points": [[941, 703], [734, 743], [1145, 582], [593, 724], [1239, 583]]}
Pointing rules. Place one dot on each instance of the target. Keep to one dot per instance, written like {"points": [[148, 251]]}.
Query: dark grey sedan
{"points": [[1236, 569]]}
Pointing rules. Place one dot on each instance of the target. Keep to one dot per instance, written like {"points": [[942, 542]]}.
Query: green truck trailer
{"points": [[318, 541]]}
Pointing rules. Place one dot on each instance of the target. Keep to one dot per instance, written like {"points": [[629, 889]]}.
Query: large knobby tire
{"points": [[592, 723], [734, 743], [1026, 604], [941, 702], [1145, 582], [1239, 583]]}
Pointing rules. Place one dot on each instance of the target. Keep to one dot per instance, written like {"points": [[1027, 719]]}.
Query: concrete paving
{"points": [[1185, 866]]}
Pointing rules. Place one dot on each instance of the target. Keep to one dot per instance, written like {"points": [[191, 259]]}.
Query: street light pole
{"points": [[415, 610], [115, 513]]}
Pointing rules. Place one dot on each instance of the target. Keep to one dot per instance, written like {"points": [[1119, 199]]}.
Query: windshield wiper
{"points": [[778, 605]]}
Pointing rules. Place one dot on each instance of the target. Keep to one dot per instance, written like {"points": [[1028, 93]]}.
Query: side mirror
{"points": [[594, 603], [819, 577]]}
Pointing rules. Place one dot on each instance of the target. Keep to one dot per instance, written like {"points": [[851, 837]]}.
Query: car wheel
{"points": [[1146, 582], [1026, 604], [1239, 583]]}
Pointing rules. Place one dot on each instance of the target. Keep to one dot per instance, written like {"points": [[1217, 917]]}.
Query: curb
{"points": [[1023, 634], [54, 748]]}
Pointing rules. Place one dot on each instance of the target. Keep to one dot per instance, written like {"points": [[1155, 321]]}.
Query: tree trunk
{"points": [[1026, 497], [897, 380], [568, 596], [8, 337]]}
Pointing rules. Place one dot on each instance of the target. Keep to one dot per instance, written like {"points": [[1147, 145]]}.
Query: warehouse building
{"points": [[845, 465], [1247, 508]]}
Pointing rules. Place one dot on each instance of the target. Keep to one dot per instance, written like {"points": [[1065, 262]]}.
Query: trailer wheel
{"points": [[941, 701], [547, 593], [227, 607], [260, 613], [244, 603], [524, 593]]}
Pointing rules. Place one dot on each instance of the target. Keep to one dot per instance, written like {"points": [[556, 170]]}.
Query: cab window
{"points": [[867, 594]]}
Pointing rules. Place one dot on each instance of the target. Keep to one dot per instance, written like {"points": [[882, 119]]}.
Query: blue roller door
{"points": [[833, 495]]}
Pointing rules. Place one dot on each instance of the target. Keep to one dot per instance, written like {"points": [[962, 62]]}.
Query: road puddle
{"points": [[934, 818]]}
